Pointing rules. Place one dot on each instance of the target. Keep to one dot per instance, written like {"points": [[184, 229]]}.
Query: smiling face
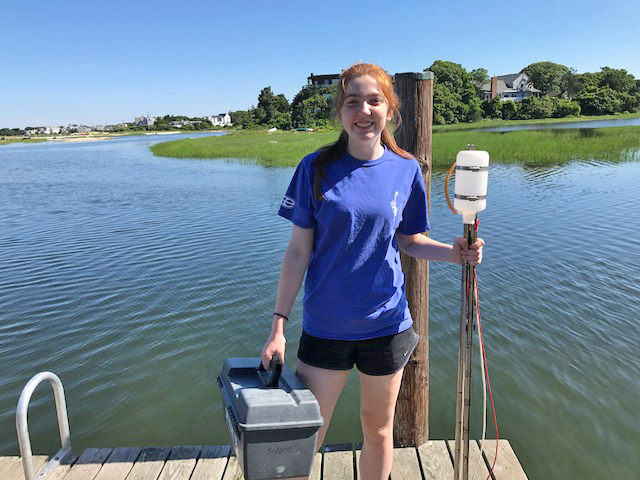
{"points": [[364, 114]]}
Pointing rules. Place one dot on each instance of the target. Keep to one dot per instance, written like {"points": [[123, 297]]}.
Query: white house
{"points": [[515, 86], [219, 120]]}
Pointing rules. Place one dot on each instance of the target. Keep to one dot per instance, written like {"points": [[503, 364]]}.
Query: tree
{"points": [[269, 106], [547, 76], [630, 102], [536, 107], [563, 107], [241, 118], [454, 94], [282, 121], [587, 80], [570, 83], [492, 108], [617, 79], [311, 107], [599, 101], [510, 110], [480, 76]]}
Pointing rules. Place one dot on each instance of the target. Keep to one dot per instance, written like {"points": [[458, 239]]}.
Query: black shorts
{"points": [[375, 356]]}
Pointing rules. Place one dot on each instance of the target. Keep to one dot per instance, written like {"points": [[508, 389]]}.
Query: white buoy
{"points": [[472, 176]]}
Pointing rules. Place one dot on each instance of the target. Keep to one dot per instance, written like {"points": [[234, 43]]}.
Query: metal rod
{"points": [[463, 393], [460, 384]]}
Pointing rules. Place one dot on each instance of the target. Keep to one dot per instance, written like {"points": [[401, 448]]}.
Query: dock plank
{"points": [[338, 462], [435, 460], [119, 463], [316, 468], [475, 461], [11, 467], [405, 464], [233, 471], [88, 464], [181, 462], [65, 465], [8, 466], [212, 462], [507, 465], [149, 464]]}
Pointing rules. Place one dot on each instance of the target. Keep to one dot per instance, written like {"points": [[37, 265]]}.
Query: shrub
{"points": [[510, 110], [536, 107], [563, 107]]}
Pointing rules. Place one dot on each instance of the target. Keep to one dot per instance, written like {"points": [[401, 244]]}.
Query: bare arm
{"points": [[294, 265], [421, 246]]}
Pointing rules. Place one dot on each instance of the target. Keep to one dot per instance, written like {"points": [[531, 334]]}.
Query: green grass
{"points": [[542, 146], [7, 140], [273, 149], [503, 123], [526, 146]]}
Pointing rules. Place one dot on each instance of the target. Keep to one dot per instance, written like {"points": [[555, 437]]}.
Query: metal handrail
{"points": [[23, 430]]}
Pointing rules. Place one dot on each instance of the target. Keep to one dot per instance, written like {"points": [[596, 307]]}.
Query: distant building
{"points": [[515, 87], [323, 80], [143, 121], [219, 120]]}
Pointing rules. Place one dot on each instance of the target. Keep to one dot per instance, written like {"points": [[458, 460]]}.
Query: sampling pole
{"points": [[470, 197]]}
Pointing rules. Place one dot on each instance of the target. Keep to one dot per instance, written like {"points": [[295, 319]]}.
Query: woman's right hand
{"points": [[275, 346]]}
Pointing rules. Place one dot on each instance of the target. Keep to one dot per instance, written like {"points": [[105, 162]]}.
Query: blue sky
{"points": [[104, 62]]}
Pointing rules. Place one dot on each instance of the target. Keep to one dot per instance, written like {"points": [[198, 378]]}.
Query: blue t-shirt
{"points": [[355, 287]]}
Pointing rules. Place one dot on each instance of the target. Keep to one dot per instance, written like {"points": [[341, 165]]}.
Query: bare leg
{"points": [[327, 386], [378, 395]]}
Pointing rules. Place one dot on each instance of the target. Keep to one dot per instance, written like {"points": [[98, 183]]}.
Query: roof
{"points": [[505, 83]]}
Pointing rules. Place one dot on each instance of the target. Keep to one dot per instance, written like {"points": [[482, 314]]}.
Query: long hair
{"points": [[335, 150]]}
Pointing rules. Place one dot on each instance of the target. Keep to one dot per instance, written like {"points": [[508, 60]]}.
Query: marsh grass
{"points": [[7, 140], [525, 146], [504, 123], [542, 146], [273, 149]]}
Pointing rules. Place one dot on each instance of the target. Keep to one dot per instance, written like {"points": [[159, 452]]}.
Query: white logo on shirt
{"points": [[288, 202], [394, 206]]}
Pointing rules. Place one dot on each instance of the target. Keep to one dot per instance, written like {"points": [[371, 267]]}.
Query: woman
{"points": [[354, 205]]}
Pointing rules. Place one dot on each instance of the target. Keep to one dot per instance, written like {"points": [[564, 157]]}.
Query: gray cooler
{"points": [[273, 419]]}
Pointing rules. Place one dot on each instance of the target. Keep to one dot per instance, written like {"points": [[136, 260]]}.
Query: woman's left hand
{"points": [[469, 254]]}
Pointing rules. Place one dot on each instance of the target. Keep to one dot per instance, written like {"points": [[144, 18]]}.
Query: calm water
{"points": [[623, 122], [132, 277]]}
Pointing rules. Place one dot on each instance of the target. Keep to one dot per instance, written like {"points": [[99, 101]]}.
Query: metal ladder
{"points": [[23, 430]]}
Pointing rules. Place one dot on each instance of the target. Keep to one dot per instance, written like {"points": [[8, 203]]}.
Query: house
{"points": [[219, 120], [143, 121], [515, 86], [323, 80]]}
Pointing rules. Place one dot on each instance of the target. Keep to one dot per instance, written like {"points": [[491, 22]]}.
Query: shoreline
{"points": [[93, 138]]}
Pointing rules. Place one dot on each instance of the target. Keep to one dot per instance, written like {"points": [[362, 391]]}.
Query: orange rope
{"points": [[446, 188]]}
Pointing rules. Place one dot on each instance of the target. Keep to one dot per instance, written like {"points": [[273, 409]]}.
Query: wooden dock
{"points": [[431, 461]]}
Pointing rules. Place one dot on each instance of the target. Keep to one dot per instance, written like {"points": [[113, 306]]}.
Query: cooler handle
{"points": [[275, 367]]}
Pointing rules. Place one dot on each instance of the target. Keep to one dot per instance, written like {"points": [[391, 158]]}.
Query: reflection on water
{"points": [[132, 277]]}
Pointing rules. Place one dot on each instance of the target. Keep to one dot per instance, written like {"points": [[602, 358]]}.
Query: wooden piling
{"points": [[411, 426]]}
